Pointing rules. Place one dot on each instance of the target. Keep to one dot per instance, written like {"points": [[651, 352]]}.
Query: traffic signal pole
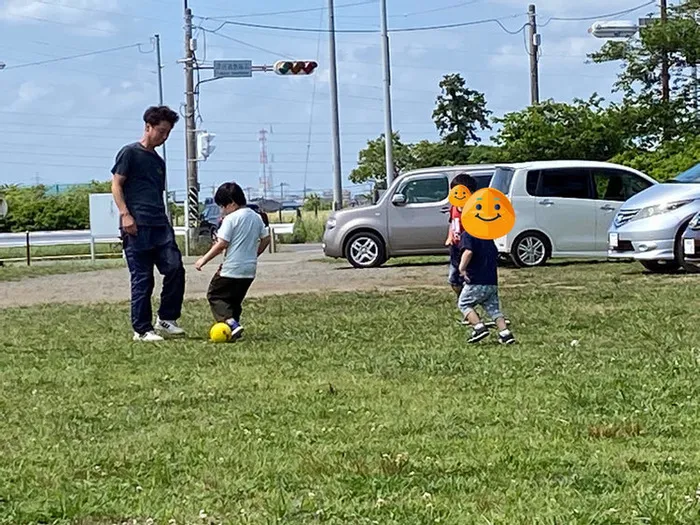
{"points": [[192, 199]]}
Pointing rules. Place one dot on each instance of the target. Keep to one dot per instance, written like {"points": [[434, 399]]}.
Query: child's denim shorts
{"points": [[484, 295]]}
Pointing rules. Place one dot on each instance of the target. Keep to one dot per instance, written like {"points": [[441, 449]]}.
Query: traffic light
{"points": [[204, 146], [295, 67]]}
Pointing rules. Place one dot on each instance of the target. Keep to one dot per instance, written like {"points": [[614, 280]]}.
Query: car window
{"points": [[617, 185], [482, 181], [533, 178], [567, 183], [502, 179], [425, 190]]}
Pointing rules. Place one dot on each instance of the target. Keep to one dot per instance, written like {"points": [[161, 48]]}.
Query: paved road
{"points": [[297, 269]]}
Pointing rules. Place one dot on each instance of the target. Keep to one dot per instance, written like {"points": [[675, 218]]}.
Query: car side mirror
{"points": [[399, 199]]}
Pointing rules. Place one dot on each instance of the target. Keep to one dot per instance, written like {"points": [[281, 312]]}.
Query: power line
{"points": [[71, 57], [608, 15], [374, 31], [292, 11]]}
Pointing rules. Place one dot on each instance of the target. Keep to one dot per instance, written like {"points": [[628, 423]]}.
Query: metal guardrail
{"points": [[28, 240]]}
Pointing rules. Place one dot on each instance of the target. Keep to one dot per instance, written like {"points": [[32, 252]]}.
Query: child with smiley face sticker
{"points": [[487, 215]]}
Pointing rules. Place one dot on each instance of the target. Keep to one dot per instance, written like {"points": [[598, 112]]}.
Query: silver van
{"points": [[410, 218], [564, 208]]}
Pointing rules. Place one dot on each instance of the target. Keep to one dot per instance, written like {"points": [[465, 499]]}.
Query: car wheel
{"points": [[680, 254], [661, 266], [365, 250], [530, 249]]}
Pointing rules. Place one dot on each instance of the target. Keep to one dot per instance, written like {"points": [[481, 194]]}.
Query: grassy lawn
{"points": [[363, 408], [17, 271]]}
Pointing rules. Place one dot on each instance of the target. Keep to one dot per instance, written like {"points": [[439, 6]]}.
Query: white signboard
{"points": [[233, 68], [104, 216]]}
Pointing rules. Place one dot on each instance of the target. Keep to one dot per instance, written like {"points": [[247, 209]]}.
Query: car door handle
{"points": [[546, 202], [607, 207], [445, 209]]}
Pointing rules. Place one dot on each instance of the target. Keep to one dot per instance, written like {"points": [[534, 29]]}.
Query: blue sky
{"points": [[63, 122]]}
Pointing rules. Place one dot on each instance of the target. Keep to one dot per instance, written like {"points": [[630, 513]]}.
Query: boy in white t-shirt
{"points": [[244, 237]]}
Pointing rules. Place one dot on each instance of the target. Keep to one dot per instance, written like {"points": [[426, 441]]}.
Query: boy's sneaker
{"points": [[236, 329], [506, 338], [148, 337], [169, 328], [480, 332]]}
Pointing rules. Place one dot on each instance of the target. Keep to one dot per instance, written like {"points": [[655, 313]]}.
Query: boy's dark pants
{"points": [[226, 296], [154, 246]]}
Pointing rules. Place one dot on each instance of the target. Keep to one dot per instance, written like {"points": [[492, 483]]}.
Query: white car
{"points": [[563, 208]]}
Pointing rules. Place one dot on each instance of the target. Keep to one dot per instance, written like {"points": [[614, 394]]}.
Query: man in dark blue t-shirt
{"points": [[477, 260], [138, 186]]}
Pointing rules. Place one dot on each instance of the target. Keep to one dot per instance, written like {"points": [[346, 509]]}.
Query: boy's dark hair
{"points": [[464, 179], [157, 114], [229, 193]]}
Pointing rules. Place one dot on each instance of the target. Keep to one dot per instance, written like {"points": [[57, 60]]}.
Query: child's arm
{"points": [[464, 262], [215, 250]]}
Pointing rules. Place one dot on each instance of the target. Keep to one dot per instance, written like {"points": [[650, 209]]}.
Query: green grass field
{"points": [[18, 271], [363, 408]]}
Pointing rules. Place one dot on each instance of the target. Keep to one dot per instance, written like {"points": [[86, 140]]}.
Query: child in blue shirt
{"points": [[477, 262]]}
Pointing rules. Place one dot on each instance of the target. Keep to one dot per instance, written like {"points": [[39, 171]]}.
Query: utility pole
{"points": [[534, 50], [388, 134], [192, 215], [160, 97], [335, 126], [665, 77]]}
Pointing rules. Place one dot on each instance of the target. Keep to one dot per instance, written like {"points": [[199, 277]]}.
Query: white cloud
{"points": [[90, 17], [28, 93]]}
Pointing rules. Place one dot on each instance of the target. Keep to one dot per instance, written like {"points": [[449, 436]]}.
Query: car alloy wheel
{"points": [[365, 250], [530, 250]]}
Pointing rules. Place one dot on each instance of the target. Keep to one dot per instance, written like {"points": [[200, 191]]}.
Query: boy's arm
{"points": [[264, 239], [464, 262], [215, 250]]}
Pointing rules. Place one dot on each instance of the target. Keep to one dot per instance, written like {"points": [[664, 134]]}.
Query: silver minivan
{"points": [[410, 218], [563, 208]]}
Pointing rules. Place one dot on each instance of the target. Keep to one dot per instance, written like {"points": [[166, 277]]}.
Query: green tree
{"points": [[313, 203], [460, 111], [666, 161], [555, 130], [371, 163], [651, 118]]}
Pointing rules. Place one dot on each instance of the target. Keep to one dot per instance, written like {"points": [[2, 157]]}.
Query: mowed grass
{"points": [[363, 408], [18, 271]]}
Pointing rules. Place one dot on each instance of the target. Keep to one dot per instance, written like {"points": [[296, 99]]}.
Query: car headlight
{"points": [[651, 211], [695, 222], [330, 223]]}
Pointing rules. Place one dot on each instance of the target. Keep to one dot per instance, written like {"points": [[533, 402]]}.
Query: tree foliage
{"points": [[36, 208], [371, 164], [459, 112], [554, 130], [651, 119]]}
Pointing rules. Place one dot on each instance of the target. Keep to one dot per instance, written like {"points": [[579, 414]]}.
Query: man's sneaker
{"points": [[480, 332], [506, 338], [149, 337], [169, 328], [236, 329]]}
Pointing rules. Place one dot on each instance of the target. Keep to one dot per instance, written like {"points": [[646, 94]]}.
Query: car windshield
{"points": [[691, 176], [502, 179]]}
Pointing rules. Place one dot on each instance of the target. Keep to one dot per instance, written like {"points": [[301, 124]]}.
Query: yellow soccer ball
{"points": [[220, 333]]}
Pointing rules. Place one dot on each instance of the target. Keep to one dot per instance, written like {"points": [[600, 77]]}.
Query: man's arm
{"points": [[127, 221], [264, 243]]}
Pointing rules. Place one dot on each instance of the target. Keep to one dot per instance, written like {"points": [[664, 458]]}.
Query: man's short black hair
{"points": [[229, 193], [157, 114], [464, 179]]}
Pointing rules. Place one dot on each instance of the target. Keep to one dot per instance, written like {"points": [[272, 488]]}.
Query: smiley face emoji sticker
{"points": [[459, 195], [488, 215]]}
